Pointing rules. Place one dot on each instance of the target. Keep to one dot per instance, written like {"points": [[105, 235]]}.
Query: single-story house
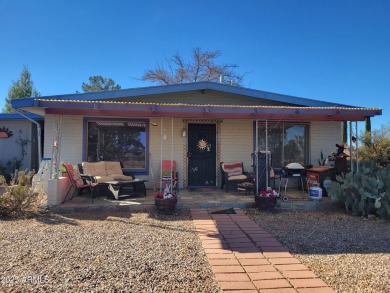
{"points": [[199, 125], [17, 129]]}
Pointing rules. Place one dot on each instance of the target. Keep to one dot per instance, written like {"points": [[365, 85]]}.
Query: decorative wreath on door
{"points": [[202, 144]]}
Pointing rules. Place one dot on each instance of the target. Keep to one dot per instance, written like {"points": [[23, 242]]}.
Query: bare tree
{"points": [[201, 67]]}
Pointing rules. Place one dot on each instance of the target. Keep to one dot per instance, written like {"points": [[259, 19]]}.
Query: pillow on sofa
{"points": [[94, 168], [113, 168]]}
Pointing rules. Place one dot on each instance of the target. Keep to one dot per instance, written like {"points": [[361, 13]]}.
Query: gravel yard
{"points": [[137, 252], [147, 252], [351, 254]]}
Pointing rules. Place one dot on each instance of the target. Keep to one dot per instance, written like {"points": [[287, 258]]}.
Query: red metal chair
{"points": [[168, 177], [77, 183]]}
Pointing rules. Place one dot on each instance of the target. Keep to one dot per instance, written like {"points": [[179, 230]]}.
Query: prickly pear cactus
{"points": [[364, 192]]}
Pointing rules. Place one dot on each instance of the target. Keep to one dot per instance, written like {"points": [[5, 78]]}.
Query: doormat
{"points": [[228, 211]]}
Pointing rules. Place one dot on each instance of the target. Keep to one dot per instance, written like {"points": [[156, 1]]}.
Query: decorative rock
{"points": [[106, 252]]}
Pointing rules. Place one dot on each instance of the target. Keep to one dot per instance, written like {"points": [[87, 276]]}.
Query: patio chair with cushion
{"points": [[77, 183], [232, 174]]}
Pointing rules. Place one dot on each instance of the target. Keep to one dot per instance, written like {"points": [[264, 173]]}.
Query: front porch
{"points": [[202, 198]]}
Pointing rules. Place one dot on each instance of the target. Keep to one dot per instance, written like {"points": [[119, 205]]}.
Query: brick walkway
{"points": [[246, 258]]}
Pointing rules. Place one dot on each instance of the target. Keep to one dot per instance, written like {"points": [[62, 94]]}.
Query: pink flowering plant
{"points": [[165, 201], [162, 195], [165, 195], [266, 199], [269, 192]]}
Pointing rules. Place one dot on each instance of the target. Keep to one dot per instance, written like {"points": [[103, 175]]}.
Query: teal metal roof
{"points": [[16, 116], [156, 101], [185, 87]]}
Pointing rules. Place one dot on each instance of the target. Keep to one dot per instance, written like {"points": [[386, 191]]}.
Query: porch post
{"points": [[56, 147], [256, 154], [172, 155], [357, 148], [266, 155], [161, 150], [350, 145]]}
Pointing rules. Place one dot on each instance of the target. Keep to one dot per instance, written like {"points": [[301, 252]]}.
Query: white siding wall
{"points": [[9, 148], [71, 138], [155, 146], [323, 136], [72, 142], [236, 141]]}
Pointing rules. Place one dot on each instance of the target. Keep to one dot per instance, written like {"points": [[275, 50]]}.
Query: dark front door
{"points": [[201, 155]]}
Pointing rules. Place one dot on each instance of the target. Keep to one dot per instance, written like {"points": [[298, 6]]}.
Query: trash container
{"points": [[317, 175]]}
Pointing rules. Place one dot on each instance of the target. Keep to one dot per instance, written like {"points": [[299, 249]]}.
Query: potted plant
{"points": [[63, 171], [266, 199], [165, 201]]}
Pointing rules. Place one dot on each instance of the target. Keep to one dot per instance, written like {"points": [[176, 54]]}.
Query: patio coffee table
{"points": [[128, 188]]}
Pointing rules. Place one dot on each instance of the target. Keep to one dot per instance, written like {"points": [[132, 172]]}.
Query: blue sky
{"points": [[337, 51]]}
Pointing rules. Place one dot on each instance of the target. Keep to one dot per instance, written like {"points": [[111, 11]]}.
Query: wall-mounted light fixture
{"points": [[184, 132], [164, 135]]}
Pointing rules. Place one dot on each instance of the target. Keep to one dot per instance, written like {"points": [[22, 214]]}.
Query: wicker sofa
{"points": [[104, 171]]}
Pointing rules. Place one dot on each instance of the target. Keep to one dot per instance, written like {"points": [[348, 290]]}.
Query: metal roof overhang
{"points": [[127, 109]]}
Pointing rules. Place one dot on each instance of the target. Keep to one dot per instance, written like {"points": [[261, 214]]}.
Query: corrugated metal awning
{"points": [[180, 110]]}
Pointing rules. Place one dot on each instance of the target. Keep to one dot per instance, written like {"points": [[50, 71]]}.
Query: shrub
{"points": [[376, 146], [4, 172], [18, 198], [3, 181]]}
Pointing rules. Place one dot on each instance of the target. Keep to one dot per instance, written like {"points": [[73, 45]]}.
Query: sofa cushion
{"points": [[94, 168], [113, 168], [237, 177], [232, 169], [121, 177], [102, 179]]}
